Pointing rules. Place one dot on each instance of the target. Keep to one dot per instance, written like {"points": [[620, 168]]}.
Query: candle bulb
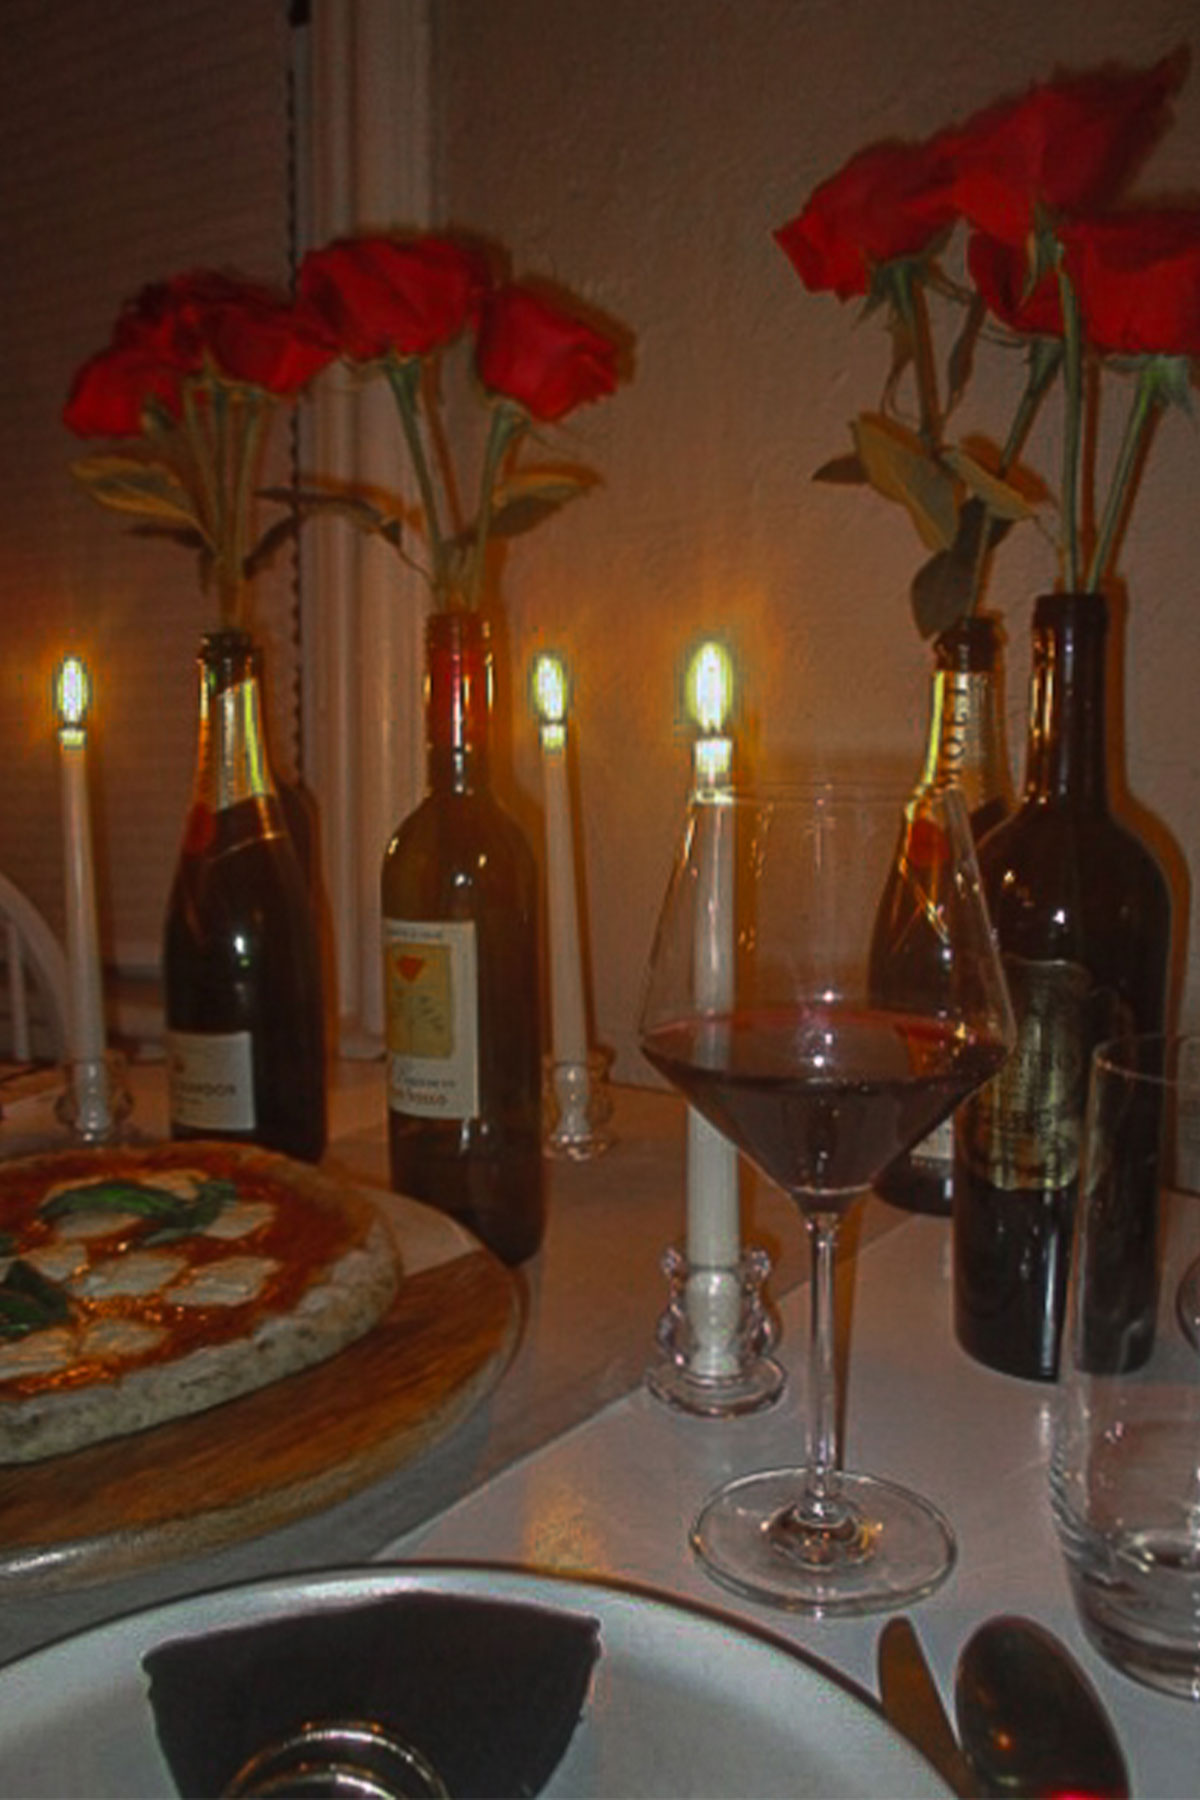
{"points": [[568, 1020], [85, 998], [713, 1219]]}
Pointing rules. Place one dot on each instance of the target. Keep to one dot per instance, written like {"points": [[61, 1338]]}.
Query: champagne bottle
{"points": [[459, 892], [241, 964], [966, 747], [1082, 914]]}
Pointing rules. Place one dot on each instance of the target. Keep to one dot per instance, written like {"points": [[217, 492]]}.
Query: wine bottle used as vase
{"points": [[461, 970], [1083, 916]]}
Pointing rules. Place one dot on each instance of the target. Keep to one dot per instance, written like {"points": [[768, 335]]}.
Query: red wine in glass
{"points": [[823, 1099]]}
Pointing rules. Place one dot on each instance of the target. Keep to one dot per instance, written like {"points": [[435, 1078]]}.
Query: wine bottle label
{"points": [[431, 995], [210, 1080], [936, 1150], [1025, 1128], [963, 741]]}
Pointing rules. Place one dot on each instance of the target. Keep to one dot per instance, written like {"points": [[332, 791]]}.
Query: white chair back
{"points": [[34, 982]]}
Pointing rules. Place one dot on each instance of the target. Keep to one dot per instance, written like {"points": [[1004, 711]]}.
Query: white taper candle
{"points": [[85, 1017], [713, 1216], [568, 1017]]}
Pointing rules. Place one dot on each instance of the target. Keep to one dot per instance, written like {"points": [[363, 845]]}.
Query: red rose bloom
{"points": [[383, 295], [248, 332], [889, 200], [1137, 275], [1000, 272], [544, 358], [111, 391], [1070, 145]]}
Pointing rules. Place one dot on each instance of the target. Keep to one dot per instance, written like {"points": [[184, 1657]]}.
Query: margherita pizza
{"points": [[137, 1285]]}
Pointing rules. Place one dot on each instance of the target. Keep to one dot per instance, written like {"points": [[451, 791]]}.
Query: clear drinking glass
{"points": [[1125, 1467], [761, 1007]]}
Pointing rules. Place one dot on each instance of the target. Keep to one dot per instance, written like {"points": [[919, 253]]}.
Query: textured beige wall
{"points": [[642, 151]]}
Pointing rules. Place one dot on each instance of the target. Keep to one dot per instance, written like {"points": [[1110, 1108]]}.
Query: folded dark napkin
{"points": [[489, 1691]]}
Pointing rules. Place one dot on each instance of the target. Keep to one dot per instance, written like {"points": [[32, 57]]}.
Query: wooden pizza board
{"points": [[286, 1450]]}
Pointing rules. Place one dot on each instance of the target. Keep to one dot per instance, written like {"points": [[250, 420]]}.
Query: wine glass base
{"points": [[895, 1548]]}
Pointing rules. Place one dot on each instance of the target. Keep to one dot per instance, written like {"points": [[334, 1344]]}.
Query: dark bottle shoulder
{"points": [[1057, 879], [1049, 840], [465, 841]]}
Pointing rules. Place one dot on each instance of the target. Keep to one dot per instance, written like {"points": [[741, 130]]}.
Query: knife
{"points": [[912, 1703]]}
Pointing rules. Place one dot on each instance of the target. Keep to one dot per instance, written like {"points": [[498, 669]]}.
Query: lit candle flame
{"points": [[550, 698], [550, 689], [72, 695], [710, 687]]}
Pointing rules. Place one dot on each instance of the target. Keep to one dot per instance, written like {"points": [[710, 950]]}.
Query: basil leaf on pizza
{"points": [[175, 1214], [29, 1301], [139, 1285]]}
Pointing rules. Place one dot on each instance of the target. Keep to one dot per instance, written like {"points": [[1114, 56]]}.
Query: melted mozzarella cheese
{"points": [[185, 1183], [96, 1224], [57, 1261], [120, 1337], [240, 1218], [230, 1282], [41, 1353], [138, 1273]]}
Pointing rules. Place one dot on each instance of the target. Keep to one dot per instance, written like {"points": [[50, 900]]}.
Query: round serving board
{"points": [[257, 1462]]}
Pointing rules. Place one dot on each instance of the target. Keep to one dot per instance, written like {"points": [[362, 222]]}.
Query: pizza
{"points": [[141, 1284]]}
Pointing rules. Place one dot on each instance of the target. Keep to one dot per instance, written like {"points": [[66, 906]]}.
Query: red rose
{"points": [[1137, 275], [155, 321], [248, 332], [1000, 272], [541, 356], [1069, 144], [401, 296], [109, 394], [890, 200]]}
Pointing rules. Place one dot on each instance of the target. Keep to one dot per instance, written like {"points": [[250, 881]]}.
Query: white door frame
{"points": [[364, 153]]}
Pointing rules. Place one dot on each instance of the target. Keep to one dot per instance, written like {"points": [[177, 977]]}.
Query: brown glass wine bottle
{"points": [[1082, 914], [241, 960], [460, 946], [965, 747]]}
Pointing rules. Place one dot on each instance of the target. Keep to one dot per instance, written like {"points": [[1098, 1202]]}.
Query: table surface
{"points": [[570, 1465]]}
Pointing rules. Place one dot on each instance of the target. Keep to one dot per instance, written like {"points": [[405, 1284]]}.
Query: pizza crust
{"points": [[341, 1301]]}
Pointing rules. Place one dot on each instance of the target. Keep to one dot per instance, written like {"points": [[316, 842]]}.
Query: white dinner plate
{"points": [[682, 1701]]}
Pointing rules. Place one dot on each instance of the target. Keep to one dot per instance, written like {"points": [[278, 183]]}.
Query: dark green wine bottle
{"points": [[459, 892], [1083, 918], [241, 961]]}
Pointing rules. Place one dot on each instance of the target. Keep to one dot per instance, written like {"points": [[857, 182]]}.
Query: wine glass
{"points": [[823, 1063]]}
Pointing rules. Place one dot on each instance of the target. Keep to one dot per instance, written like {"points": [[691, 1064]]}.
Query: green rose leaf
{"points": [[999, 496], [843, 471], [524, 499], [128, 485], [899, 466], [307, 503], [943, 588]]}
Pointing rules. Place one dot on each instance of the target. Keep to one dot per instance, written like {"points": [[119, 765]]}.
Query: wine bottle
{"points": [[241, 963], [459, 893], [965, 746], [1082, 914]]}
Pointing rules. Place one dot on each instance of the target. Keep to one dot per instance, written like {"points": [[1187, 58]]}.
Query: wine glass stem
{"points": [[821, 1503]]}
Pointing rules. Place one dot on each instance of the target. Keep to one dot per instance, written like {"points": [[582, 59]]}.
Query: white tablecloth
{"points": [[613, 1497]]}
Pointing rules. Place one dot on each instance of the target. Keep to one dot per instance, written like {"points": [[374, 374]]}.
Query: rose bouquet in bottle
{"points": [[459, 883]]}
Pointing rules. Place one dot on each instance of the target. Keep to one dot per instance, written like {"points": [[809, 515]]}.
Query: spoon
{"points": [[1029, 1719]]}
